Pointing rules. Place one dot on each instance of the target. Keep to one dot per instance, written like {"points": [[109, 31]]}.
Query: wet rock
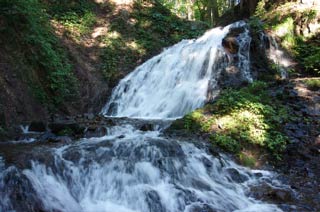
{"points": [[293, 94], [89, 116], [176, 125], [201, 185], [231, 77], [317, 141], [267, 192], [46, 136], [154, 201], [230, 44], [95, 131], [146, 127], [258, 175], [27, 137], [52, 138], [291, 126], [206, 162], [66, 127], [38, 126], [315, 150], [21, 193], [236, 176], [202, 208], [60, 139], [281, 195]]}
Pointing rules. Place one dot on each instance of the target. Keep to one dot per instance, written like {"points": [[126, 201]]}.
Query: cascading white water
{"points": [[177, 81], [280, 59], [139, 172], [129, 170]]}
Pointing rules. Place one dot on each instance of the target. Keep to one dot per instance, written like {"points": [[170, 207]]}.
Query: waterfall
{"points": [[178, 80], [130, 170]]}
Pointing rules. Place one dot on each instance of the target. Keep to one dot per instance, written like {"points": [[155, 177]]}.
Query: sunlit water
{"points": [[130, 170], [180, 79]]}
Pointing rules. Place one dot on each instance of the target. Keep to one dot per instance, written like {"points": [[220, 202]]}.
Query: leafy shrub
{"points": [[226, 142], [308, 54], [81, 24], [247, 160]]}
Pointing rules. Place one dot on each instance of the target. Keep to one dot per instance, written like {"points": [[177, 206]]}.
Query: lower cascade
{"points": [[131, 170]]}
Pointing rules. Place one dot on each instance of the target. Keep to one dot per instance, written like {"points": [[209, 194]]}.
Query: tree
{"points": [[248, 6]]}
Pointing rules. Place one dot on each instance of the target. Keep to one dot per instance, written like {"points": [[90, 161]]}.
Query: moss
{"points": [[66, 131], [226, 142], [313, 84], [247, 160], [242, 118]]}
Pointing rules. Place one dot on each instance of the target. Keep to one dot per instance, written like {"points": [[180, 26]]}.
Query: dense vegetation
{"points": [[133, 35], [46, 43], [211, 11], [296, 27], [244, 119], [25, 30]]}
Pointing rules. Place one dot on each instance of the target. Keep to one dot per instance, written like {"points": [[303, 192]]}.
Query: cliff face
{"points": [[65, 57]]}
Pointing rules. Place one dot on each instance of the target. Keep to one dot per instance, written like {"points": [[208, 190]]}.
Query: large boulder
{"points": [[38, 126], [230, 42], [66, 128]]}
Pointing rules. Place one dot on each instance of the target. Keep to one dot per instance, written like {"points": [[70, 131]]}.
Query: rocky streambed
{"points": [[64, 172]]}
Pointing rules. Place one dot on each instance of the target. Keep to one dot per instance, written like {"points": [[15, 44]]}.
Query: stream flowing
{"points": [[131, 170]]}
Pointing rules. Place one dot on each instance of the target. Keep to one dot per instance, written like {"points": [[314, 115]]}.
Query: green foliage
{"points": [[308, 54], [290, 23], [226, 142], [247, 160], [59, 8], [66, 131], [309, 15], [198, 9], [260, 10], [249, 116], [28, 25], [79, 23], [256, 25], [252, 97], [313, 84], [192, 120], [139, 34]]}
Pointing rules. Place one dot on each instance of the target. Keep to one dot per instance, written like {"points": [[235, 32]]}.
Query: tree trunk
{"points": [[248, 6], [212, 11]]}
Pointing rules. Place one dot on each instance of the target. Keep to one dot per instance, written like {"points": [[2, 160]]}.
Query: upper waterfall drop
{"points": [[179, 79]]}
